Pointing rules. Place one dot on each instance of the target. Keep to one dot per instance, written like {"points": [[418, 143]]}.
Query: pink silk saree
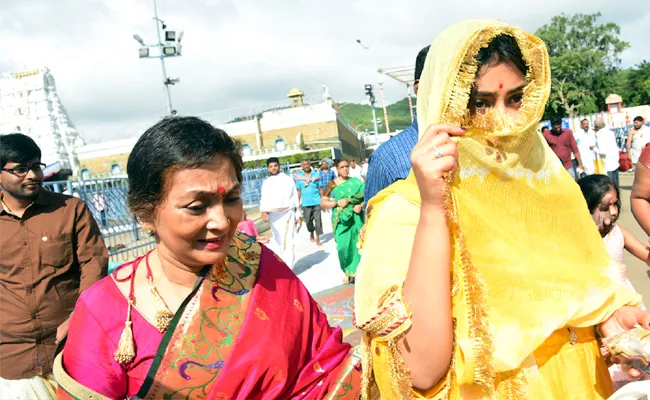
{"points": [[250, 330]]}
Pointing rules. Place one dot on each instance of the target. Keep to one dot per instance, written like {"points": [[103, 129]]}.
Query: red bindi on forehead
{"points": [[222, 190], [500, 85]]}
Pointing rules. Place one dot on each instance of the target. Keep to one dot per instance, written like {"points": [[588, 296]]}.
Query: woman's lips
{"points": [[212, 243]]}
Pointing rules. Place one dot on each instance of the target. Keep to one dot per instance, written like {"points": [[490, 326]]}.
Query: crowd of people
{"points": [[304, 197], [595, 151], [470, 281]]}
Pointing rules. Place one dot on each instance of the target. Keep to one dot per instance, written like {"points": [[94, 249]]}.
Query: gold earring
{"points": [[148, 231]]}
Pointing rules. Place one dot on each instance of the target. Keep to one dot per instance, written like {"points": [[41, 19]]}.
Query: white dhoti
{"points": [[38, 387], [283, 226]]}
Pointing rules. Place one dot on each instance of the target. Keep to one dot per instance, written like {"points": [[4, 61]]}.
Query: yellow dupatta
{"points": [[527, 258]]}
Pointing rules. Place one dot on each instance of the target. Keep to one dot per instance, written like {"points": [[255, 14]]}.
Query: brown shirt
{"points": [[47, 257], [563, 145]]}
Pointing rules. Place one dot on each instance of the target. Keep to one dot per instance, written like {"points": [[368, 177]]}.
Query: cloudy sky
{"points": [[244, 53]]}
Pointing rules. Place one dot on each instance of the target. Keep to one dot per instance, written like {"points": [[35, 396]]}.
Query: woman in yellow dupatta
{"points": [[528, 274]]}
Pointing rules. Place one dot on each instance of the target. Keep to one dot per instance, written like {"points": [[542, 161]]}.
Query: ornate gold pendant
{"points": [[163, 319]]}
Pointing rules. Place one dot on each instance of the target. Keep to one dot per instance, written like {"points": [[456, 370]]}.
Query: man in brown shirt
{"points": [[50, 251], [563, 144]]}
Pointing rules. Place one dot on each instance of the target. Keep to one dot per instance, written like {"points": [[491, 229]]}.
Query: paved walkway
{"points": [[317, 267]]}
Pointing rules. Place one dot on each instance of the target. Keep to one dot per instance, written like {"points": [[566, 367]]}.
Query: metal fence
{"points": [[106, 199]]}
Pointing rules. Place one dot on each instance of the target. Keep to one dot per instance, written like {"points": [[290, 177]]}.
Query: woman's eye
{"points": [[232, 200], [196, 208], [480, 103], [516, 98]]}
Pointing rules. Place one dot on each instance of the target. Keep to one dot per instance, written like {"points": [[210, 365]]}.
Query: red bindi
{"points": [[222, 190], [500, 85]]}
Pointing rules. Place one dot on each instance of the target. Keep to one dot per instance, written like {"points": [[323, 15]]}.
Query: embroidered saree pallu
{"points": [[249, 330], [530, 275]]}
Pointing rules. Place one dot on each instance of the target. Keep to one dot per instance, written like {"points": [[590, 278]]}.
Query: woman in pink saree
{"points": [[209, 313]]}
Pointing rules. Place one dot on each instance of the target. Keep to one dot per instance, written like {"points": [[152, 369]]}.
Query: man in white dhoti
{"points": [[280, 206], [586, 140]]}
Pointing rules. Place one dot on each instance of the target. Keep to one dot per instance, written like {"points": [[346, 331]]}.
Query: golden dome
{"points": [[295, 92]]}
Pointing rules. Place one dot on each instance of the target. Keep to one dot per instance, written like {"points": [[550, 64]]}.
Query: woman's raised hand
{"points": [[342, 203], [432, 157]]}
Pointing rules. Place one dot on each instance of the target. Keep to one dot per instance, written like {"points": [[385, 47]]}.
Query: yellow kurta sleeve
{"points": [[380, 308]]}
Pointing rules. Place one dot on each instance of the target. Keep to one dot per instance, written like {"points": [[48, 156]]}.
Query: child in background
{"points": [[603, 200], [248, 227], [604, 205]]}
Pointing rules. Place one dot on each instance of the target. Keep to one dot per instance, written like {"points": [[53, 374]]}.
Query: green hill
{"points": [[359, 116]]}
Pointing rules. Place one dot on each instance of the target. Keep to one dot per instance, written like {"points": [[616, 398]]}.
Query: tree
{"points": [[584, 58], [637, 90]]}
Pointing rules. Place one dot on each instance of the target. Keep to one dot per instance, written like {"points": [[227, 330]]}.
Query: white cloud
{"points": [[243, 53]]}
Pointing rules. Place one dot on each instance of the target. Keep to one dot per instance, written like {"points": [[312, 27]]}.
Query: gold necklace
{"points": [[164, 315]]}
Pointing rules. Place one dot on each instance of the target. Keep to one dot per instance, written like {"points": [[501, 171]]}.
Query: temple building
{"points": [[29, 104]]}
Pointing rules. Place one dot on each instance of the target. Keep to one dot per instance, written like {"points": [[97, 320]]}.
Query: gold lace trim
{"points": [[535, 92], [394, 315]]}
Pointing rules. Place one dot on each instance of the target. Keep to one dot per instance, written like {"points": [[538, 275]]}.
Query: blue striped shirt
{"points": [[391, 161], [326, 177]]}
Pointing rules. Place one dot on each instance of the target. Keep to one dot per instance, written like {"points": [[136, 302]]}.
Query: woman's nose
{"points": [[218, 220]]}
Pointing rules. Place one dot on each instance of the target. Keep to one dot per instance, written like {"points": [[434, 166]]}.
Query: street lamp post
{"points": [[171, 47], [371, 98]]}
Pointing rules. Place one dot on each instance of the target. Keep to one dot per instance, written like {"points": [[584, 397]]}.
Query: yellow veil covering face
{"points": [[527, 258]]}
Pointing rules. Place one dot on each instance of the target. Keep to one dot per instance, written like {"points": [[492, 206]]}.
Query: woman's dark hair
{"points": [[340, 160], [173, 144], [502, 49], [595, 187], [18, 148]]}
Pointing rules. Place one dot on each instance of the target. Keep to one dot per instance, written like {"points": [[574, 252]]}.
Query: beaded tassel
{"points": [[125, 351]]}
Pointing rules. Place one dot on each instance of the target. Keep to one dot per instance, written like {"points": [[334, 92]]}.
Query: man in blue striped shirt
{"points": [[326, 175], [392, 160]]}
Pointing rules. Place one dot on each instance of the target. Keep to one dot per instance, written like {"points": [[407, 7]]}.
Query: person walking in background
{"points": [[364, 169], [248, 227], [344, 196], [563, 144], [326, 174], [355, 170], [280, 205], [100, 205], [604, 203], [392, 160], [637, 139], [308, 184], [607, 149], [52, 251], [586, 140]]}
